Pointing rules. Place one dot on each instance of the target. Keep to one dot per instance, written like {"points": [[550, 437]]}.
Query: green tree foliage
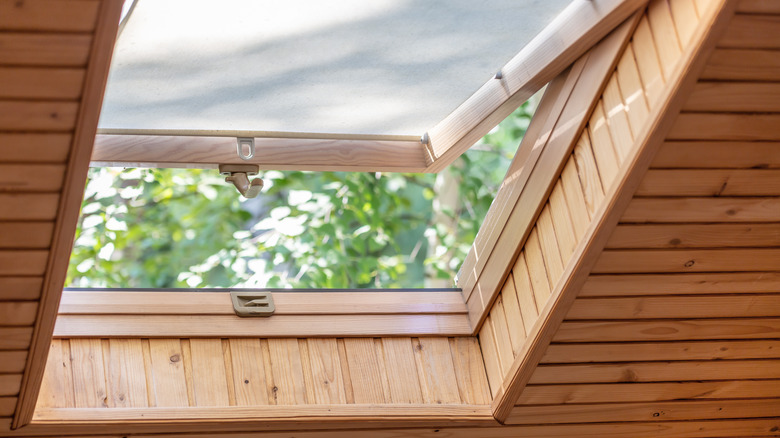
{"points": [[166, 228]]}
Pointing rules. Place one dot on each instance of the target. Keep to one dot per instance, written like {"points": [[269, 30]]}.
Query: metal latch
{"points": [[252, 303]]}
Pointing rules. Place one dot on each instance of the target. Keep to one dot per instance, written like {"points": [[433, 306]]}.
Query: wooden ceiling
{"points": [[644, 300]]}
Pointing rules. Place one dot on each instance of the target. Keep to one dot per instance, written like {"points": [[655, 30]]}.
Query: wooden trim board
{"points": [[287, 303], [69, 205], [648, 140]]}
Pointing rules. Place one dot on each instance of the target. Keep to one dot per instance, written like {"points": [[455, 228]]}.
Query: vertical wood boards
{"points": [[209, 372]]}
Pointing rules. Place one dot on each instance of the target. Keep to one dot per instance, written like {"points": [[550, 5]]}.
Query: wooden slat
{"points": [[758, 6], [525, 293], [661, 351], [642, 392], [657, 371], [287, 303], [34, 147], [287, 371], [658, 411], [501, 336], [617, 119], [695, 236], [743, 65], [12, 361], [631, 89], [660, 210], [701, 182], [720, 155], [575, 30], [30, 49], [402, 375], [470, 370], [514, 316], [41, 83], [537, 271], [31, 177], [285, 326], [15, 338], [48, 15], [702, 306], [647, 61], [692, 329], [7, 406], [326, 371], [20, 288], [588, 173], [208, 373], [438, 379], [18, 313], [28, 206], [9, 384], [89, 380], [681, 284], [20, 115], [126, 374], [685, 260], [487, 342], [57, 387], [548, 242], [685, 19], [734, 97], [562, 223], [167, 365], [25, 235], [752, 32], [603, 151], [364, 371], [248, 372], [23, 262], [714, 126], [575, 199], [665, 38]]}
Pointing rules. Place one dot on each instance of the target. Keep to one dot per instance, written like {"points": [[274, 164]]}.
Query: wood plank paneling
{"points": [[51, 49], [740, 65], [31, 177], [677, 284], [470, 371], [752, 32], [167, 365], [687, 260], [89, 380], [630, 308], [49, 15], [712, 154], [126, 374], [664, 210], [438, 379], [23, 262], [208, 373], [662, 351], [20, 288], [719, 126], [18, 313], [671, 330], [15, 338], [248, 372], [642, 392], [41, 83], [12, 361], [28, 206], [25, 235], [734, 97], [23, 115], [695, 236], [656, 411], [710, 182], [34, 147]]}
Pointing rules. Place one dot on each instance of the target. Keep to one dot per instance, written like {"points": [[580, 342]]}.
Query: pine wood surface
{"points": [[173, 372]]}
